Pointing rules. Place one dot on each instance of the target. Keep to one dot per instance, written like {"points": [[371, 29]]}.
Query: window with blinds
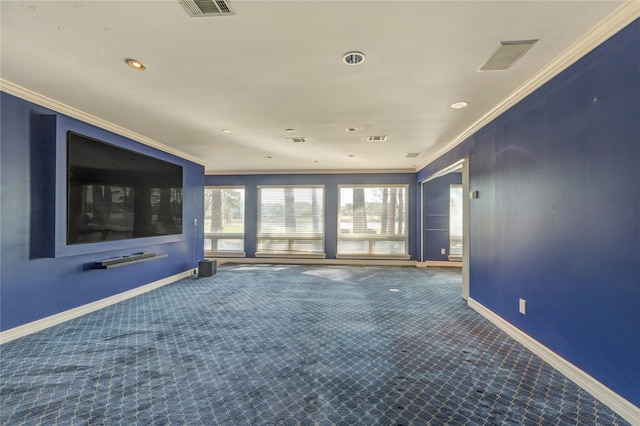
{"points": [[291, 221], [224, 220], [372, 221]]}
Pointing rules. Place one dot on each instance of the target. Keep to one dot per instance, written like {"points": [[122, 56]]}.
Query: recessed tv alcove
{"points": [[109, 193]]}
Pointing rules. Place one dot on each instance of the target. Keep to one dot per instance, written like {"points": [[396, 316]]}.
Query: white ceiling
{"points": [[276, 65]]}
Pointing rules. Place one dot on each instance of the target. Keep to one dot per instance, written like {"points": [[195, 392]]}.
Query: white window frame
{"points": [[213, 237], [374, 238], [290, 239]]}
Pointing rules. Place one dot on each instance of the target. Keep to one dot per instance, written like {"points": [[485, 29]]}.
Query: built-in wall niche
{"points": [[93, 191]]}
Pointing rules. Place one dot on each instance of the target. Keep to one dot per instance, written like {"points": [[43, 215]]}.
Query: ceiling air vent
{"points": [[377, 138], [412, 155], [506, 54], [353, 58], [202, 8], [297, 140]]}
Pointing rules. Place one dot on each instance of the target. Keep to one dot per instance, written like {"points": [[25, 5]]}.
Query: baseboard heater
{"points": [[116, 262]]}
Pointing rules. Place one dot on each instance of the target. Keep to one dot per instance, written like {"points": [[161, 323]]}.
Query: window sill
{"points": [[291, 254], [225, 254], [369, 256]]}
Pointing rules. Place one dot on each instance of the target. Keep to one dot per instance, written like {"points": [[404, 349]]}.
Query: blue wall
{"points": [[331, 182], [34, 282], [557, 221], [436, 196]]}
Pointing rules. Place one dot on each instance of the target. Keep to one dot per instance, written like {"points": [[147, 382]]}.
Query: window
{"points": [[455, 222], [372, 221], [291, 221], [224, 220]]}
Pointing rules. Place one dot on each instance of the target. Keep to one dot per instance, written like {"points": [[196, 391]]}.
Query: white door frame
{"points": [[462, 166]]}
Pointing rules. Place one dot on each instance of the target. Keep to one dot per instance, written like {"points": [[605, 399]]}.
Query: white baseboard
{"points": [[439, 263], [41, 324], [617, 403]]}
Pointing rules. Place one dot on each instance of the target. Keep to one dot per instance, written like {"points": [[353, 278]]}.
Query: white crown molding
{"points": [[41, 324], [617, 403], [36, 98], [615, 22], [306, 172]]}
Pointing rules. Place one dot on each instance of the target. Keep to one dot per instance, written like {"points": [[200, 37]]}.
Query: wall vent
{"points": [[203, 8], [377, 138], [297, 140]]}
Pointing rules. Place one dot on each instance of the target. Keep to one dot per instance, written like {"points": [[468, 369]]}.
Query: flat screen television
{"points": [[117, 194]]}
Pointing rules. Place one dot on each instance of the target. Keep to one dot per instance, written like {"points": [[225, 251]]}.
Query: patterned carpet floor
{"points": [[289, 345]]}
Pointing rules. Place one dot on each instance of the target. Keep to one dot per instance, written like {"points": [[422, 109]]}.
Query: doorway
{"points": [[444, 243]]}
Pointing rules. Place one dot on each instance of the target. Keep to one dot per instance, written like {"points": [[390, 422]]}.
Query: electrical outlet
{"points": [[195, 222], [443, 251], [523, 307]]}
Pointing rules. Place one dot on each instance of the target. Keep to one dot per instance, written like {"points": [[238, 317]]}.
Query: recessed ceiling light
{"points": [[227, 131], [290, 130], [268, 156], [135, 64], [459, 105], [351, 155], [353, 58], [351, 129]]}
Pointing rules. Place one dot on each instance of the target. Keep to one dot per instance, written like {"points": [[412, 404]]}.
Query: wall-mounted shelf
{"points": [[117, 262]]}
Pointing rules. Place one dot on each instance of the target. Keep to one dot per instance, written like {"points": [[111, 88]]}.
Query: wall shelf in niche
{"points": [[117, 262]]}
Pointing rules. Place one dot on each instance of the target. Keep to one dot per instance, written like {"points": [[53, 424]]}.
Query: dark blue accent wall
{"points": [[436, 196], [557, 221], [330, 182], [39, 276]]}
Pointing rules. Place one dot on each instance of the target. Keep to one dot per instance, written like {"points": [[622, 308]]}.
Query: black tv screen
{"points": [[117, 194]]}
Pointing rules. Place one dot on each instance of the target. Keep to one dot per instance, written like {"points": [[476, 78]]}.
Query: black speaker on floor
{"points": [[207, 267]]}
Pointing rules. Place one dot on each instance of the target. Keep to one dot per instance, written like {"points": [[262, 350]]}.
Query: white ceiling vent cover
{"points": [[203, 8], [297, 140], [506, 54], [377, 138]]}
